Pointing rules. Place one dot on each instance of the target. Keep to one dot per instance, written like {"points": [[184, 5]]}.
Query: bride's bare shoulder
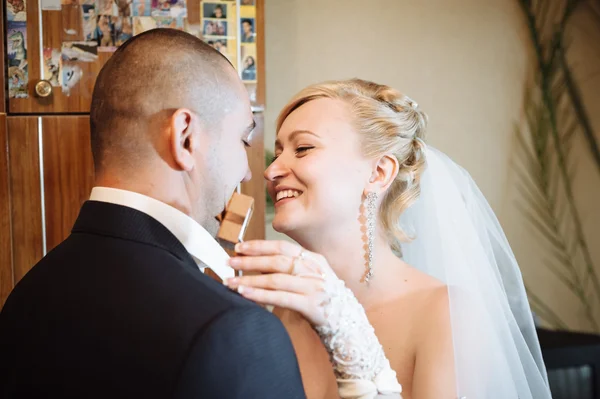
{"points": [[431, 292], [433, 374], [427, 300]]}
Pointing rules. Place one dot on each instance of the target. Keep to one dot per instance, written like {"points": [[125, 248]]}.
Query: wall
{"points": [[464, 62]]}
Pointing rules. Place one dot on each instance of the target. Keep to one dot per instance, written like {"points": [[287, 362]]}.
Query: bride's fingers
{"points": [[278, 282], [276, 264], [285, 300], [263, 264], [264, 247]]}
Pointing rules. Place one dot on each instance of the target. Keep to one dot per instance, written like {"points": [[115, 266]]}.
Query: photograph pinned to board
{"points": [[169, 8], [105, 37], [247, 30], [142, 8], [214, 28], [17, 83], [214, 10], [52, 66], [70, 75], [16, 41], [248, 67], [80, 51], [16, 10], [89, 16]]}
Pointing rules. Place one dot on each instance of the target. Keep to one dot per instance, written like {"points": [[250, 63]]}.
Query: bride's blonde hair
{"points": [[388, 123]]}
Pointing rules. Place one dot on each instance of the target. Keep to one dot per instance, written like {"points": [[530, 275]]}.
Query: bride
{"points": [[402, 270]]}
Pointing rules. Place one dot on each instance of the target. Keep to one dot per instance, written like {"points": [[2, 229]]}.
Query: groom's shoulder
{"points": [[121, 272]]}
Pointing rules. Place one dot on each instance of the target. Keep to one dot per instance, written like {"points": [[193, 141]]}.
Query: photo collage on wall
{"points": [[221, 27], [94, 26]]}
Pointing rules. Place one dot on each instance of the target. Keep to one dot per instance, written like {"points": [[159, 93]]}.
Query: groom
{"points": [[120, 309]]}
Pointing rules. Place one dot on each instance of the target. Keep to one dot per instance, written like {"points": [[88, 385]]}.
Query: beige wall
{"points": [[463, 61]]}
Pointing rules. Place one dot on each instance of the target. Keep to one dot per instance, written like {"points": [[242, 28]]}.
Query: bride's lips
{"points": [[284, 194]]}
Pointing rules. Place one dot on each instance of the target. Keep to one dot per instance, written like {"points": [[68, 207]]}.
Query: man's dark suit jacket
{"points": [[121, 310]]}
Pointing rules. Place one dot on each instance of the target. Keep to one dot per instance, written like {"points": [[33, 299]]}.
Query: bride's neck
{"points": [[347, 256]]}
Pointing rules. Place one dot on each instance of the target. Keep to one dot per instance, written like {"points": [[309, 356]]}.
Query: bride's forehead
{"points": [[321, 121]]}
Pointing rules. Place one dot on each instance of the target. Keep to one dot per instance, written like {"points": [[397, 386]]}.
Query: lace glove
{"points": [[359, 363]]}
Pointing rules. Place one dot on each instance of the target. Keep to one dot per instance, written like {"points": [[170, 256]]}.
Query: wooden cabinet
{"points": [[46, 168], [6, 262], [51, 174]]}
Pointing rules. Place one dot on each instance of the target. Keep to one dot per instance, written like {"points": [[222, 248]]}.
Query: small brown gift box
{"points": [[234, 221]]}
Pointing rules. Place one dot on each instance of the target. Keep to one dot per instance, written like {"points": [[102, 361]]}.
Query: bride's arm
{"points": [[315, 369], [434, 375]]}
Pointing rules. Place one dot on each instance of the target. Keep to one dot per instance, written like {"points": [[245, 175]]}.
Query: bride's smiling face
{"points": [[319, 175]]}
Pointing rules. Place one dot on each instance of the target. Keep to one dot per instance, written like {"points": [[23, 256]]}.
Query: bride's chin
{"points": [[280, 227], [282, 224]]}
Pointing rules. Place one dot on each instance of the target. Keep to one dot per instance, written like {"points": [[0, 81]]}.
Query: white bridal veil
{"points": [[459, 241]]}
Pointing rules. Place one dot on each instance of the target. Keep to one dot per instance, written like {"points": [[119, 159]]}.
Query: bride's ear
{"points": [[385, 170]]}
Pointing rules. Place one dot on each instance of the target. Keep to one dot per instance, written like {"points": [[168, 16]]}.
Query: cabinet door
{"points": [[6, 269], [50, 176]]}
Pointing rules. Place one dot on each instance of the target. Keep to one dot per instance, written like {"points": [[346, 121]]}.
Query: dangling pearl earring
{"points": [[371, 220]]}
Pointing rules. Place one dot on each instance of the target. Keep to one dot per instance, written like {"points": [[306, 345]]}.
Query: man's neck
{"points": [[162, 191]]}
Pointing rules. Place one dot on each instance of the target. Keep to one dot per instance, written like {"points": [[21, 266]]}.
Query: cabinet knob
{"points": [[43, 88]]}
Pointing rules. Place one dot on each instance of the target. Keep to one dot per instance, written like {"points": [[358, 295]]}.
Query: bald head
{"points": [[144, 81]]}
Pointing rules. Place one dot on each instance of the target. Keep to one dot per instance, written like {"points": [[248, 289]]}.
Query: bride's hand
{"points": [[295, 278], [303, 281]]}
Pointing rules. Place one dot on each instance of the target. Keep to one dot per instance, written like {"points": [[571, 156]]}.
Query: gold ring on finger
{"points": [[295, 263]]}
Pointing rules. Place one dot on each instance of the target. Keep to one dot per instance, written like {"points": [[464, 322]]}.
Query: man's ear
{"points": [[385, 170], [183, 138]]}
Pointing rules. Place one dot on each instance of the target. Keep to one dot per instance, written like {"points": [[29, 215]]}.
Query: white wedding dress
{"points": [[459, 241]]}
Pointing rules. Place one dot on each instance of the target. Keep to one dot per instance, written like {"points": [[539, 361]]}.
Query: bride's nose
{"points": [[276, 170]]}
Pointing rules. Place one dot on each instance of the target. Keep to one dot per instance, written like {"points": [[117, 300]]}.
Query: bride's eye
{"points": [[301, 150]]}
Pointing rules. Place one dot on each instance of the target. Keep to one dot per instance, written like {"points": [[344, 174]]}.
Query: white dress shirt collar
{"points": [[196, 240]]}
